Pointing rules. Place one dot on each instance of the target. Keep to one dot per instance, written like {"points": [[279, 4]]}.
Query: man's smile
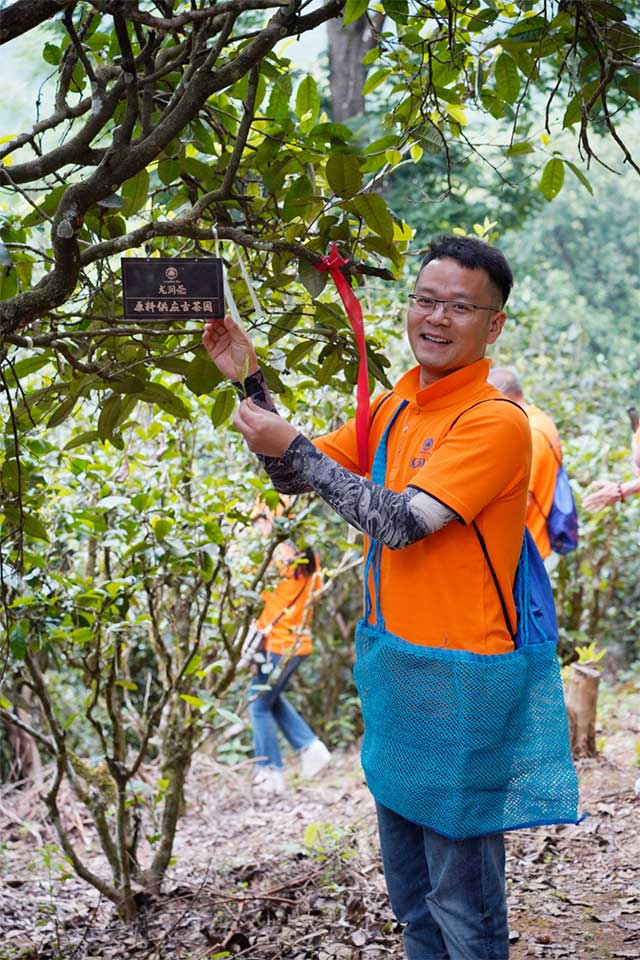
{"points": [[432, 338]]}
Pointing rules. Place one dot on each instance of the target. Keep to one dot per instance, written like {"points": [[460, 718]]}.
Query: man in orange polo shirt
{"points": [[458, 476], [546, 456]]}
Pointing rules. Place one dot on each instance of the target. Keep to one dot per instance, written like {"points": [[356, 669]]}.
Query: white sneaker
{"points": [[314, 758], [269, 780]]}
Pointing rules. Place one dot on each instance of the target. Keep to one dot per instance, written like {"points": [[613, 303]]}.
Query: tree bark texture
{"points": [[24, 15], [582, 701], [347, 74]]}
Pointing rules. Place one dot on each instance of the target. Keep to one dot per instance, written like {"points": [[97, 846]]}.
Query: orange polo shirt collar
{"points": [[444, 392]]}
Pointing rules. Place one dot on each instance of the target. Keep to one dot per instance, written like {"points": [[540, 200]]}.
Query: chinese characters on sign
{"points": [[157, 288]]}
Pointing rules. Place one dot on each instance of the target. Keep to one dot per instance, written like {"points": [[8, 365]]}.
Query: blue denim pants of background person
{"points": [[269, 710], [450, 894]]}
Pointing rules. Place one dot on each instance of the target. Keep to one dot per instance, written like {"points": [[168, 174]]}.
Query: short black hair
{"points": [[475, 254]]}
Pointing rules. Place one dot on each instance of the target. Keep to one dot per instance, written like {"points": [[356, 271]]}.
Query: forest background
{"points": [[131, 563]]}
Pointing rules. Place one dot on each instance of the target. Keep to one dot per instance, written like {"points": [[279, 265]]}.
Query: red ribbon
{"points": [[332, 264]]}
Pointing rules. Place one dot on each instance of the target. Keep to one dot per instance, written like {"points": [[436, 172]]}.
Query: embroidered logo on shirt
{"points": [[425, 452]]}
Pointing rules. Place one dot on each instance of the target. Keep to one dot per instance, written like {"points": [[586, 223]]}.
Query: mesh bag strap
{"points": [[374, 553]]}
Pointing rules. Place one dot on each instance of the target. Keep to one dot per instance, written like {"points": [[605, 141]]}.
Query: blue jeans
{"points": [[450, 894], [269, 710]]}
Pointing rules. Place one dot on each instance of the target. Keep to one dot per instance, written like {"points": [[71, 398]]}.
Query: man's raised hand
{"points": [[266, 433], [230, 348]]}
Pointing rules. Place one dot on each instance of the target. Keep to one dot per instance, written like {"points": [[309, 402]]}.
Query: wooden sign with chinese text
{"points": [[161, 288]]}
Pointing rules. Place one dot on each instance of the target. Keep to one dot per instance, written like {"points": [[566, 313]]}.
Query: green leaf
{"points": [[528, 30], [343, 174], [329, 362], [631, 85], [313, 280], [329, 132], [573, 113], [11, 478], [192, 701], [398, 10], [52, 53], [278, 106], [165, 399], [552, 178], [168, 171], [520, 149], [608, 10], [109, 416], [130, 384], [34, 527], [134, 193], [430, 138], [61, 413], [297, 199], [308, 100], [384, 247], [30, 364], [374, 211], [577, 172], [88, 437], [49, 206], [298, 353], [377, 77], [223, 406], [173, 365], [312, 833], [202, 376], [353, 10], [18, 642], [162, 527], [193, 665], [507, 78], [283, 325]]}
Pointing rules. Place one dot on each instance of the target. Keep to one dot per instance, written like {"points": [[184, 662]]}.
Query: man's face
{"points": [[443, 342]]}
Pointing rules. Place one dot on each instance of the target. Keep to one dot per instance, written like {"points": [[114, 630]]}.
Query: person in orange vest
{"points": [[607, 492], [546, 456], [285, 621]]}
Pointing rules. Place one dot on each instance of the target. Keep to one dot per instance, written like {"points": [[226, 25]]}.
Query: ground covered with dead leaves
{"points": [[300, 879]]}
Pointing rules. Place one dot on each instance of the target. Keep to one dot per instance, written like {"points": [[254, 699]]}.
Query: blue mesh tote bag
{"points": [[465, 744]]}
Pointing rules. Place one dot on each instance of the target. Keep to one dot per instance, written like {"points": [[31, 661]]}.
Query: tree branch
{"points": [[173, 24], [24, 15]]}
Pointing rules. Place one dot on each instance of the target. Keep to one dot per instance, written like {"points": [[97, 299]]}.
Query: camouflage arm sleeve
{"points": [[395, 519]]}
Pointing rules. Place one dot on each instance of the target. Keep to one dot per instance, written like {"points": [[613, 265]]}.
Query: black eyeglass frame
{"points": [[414, 297]]}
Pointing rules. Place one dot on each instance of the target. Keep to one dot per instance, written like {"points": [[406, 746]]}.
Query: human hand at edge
{"points": [[230, 348], [604, 494], [265, 432]]}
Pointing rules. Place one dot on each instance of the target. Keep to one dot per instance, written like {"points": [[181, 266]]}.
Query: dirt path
{"points": [[299, 879]]}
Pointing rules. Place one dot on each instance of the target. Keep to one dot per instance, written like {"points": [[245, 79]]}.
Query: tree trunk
{"points": [[26, 763], [582, 700], [347, 74]]}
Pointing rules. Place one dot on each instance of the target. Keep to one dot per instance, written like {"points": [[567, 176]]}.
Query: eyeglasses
{"points": [[452, 308]]}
